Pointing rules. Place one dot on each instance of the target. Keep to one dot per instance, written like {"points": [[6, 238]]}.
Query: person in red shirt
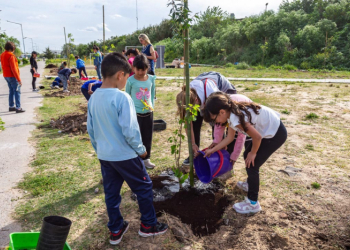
{"points": [[131, 53], [12, 76]]}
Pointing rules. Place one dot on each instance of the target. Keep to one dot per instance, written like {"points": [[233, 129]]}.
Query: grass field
{"points": [[66, 172]]}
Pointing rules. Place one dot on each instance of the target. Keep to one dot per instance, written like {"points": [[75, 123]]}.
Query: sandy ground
{"points": [[15, 150]]}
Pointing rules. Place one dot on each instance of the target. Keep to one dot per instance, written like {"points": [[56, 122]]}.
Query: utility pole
{"points": [[65, 38], [32, 42], [24, 47], [103, 12], [266, 6], [137, 18]]}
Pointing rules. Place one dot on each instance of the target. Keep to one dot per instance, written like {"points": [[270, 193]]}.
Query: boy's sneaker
{"points": [[149, 164], [115, 239], [243, 185], [186, 162], [56, 87], [51, 86], [66, 91], [246, 207], [158, 229]]}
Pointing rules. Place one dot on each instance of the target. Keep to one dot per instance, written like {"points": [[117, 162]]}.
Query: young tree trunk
{"points": [[187, 71]]}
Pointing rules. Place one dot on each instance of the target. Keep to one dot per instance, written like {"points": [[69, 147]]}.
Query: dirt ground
{"points": [[295, 215], [74, 87]]}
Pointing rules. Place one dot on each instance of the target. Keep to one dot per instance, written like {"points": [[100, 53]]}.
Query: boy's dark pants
{"points": [[132, 171], [85, 93], [146, 129], [82, 69], [266, 149]]}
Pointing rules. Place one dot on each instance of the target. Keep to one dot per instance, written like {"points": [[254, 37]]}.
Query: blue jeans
{"points": [[12, 83], [86, 93], [132, 171], [98, 71], [64, 81]]}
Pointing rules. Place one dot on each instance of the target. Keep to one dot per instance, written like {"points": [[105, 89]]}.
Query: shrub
{"points": [[275, 67], [229, 65], [25, 61], [305, 65], [243, 65], [289, 67], [260, 67]]}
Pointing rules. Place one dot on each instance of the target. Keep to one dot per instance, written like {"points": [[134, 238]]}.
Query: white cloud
{"points": [[37, 17], [96, 28], [116, 16]]}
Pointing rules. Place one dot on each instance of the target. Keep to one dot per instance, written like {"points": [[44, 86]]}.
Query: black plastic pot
{"points": [[54, 233], [159, 125]]}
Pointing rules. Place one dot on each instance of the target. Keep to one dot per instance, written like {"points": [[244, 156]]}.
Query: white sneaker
{"points": [[245, 207], [66, 91], [243, 185], [51, 86], [149, 164], [56, 87]]}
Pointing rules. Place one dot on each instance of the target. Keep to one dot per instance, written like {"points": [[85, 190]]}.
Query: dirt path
{"points": [[15, 150]]}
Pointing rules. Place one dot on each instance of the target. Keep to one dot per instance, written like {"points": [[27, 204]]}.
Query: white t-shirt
{"points": [[266, 122], [199, 87]]}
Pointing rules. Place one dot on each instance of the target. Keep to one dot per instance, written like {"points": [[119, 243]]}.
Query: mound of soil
{"points": [[50, 66], [72, 123], [74, 88], [53, 72], [202, 211]]}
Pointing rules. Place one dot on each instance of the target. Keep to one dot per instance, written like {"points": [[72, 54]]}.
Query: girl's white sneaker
{"points": [[243, 185], [245, 207], [149, 164]]}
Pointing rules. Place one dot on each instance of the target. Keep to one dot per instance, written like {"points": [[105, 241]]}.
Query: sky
{"points": [[43, 20]]}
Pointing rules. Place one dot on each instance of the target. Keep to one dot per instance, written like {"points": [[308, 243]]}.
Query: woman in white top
{"points": [[265, 128]]}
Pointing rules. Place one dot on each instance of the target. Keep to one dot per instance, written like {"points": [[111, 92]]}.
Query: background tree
{"points": [[48, 53]]}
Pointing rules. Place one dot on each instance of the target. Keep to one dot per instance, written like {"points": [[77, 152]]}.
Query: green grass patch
{"points": [[309, 147], [286, 112], [311, 116], [316, 185]]}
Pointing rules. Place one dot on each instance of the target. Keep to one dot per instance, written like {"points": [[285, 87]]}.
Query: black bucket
{"points": [[54, 233]]}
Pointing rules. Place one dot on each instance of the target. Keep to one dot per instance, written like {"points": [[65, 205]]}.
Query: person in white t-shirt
{"points": [[200, 89], [265, 128]]}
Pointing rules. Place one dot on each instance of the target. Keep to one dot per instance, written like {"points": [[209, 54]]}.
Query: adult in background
{"points": [[97, 61], [12, 76], [149, 52], [124, 54], [80, 66], [33, 69]]}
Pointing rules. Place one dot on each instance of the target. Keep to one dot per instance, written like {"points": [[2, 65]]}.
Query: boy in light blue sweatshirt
{"points": [[115, 135]]}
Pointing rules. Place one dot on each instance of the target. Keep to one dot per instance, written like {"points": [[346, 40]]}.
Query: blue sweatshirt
{"points": [[97, 84], [112, 126], [66, 72], [80, 64], [97, 58]]}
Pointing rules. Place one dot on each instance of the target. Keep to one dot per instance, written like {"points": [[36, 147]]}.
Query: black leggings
{"points": [[33, 80], [146, 128], [82, 69], [266, 149]]}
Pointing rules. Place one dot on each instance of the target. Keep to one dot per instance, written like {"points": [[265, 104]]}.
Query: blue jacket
{"points": [[97, 58], [66, 72], [112, 125], [80, 63], [97, 84]]}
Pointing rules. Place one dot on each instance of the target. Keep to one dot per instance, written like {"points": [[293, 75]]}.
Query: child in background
{"points": [[131, 53], [63, 66], [141, 88], [64, 75], [80, 66], [89, 87], [265, 128], [56, 83], [115, 136]]}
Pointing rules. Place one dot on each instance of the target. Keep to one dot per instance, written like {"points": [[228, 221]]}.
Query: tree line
{"points": [[304, 33]]}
